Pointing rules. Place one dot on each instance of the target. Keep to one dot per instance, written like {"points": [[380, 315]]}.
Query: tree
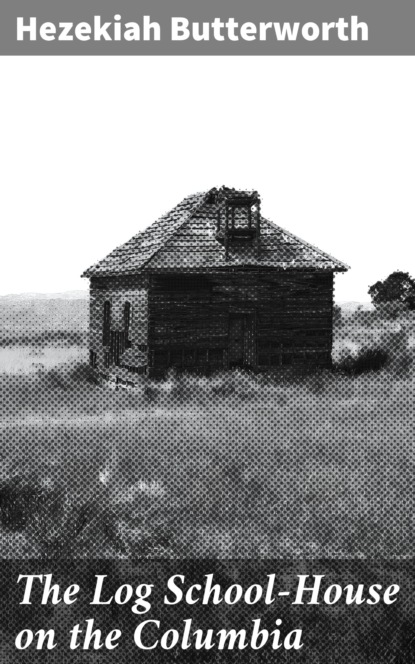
{"points": [[397, 289]]}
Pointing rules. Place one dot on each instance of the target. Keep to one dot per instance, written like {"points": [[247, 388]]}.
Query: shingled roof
{"points": [[184, 239]]}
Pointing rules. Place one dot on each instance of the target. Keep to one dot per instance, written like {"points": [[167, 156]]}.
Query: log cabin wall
{"points": [[119, 322], [276, 319], [217, 286]]}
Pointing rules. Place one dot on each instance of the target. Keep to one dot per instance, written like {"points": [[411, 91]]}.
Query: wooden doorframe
{"points": [[244, 312]]}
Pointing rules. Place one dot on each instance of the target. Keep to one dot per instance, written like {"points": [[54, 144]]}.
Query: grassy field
{"points": [[234, 465]]}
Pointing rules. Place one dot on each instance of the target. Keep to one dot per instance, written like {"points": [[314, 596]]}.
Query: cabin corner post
{"points": [[91, 341], [331, 336]]}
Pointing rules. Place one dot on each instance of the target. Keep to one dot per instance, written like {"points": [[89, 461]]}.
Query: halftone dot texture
{"points": [[153, 441]]}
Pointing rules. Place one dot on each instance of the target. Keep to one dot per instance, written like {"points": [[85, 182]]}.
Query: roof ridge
{"points": [[307, 244]]}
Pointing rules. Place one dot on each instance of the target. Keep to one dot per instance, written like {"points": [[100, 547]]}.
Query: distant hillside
{"points": [[354, 306], [67, 295], [25, 319]]}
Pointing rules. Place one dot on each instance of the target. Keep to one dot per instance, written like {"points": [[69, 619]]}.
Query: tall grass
{"points": [[232, 465]]}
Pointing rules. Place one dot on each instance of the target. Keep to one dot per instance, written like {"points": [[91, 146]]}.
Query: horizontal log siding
{"points": [[189, 318]]}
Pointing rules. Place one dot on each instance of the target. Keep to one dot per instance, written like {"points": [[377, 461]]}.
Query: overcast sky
{"points": [[95, 149]]}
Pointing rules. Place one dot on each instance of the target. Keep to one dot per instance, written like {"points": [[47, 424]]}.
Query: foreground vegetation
{"points": [[232, 465]]}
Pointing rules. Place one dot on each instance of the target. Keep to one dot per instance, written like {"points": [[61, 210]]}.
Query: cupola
{"points": [[238, 218]]}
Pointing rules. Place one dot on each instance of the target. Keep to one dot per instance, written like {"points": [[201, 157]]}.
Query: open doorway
{"points": [[242, 345]]}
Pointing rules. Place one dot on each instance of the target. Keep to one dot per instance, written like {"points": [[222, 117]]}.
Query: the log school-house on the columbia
{"points": [[211, 285]]}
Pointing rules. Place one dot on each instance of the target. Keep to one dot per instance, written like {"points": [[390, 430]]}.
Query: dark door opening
{"points": [[242, 340]]}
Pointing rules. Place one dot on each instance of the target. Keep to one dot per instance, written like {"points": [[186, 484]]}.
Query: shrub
{"points": [[337, 314], [369, 359], [20, 499]]}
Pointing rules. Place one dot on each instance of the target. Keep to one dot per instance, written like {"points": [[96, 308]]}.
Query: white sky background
{"points": [[95, 149]]}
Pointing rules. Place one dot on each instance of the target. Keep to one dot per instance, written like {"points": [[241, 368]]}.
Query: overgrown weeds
{"points": [[236, 464], [370, 359]]}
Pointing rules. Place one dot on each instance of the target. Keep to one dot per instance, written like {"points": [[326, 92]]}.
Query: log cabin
{"points": [[211, 285]]}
